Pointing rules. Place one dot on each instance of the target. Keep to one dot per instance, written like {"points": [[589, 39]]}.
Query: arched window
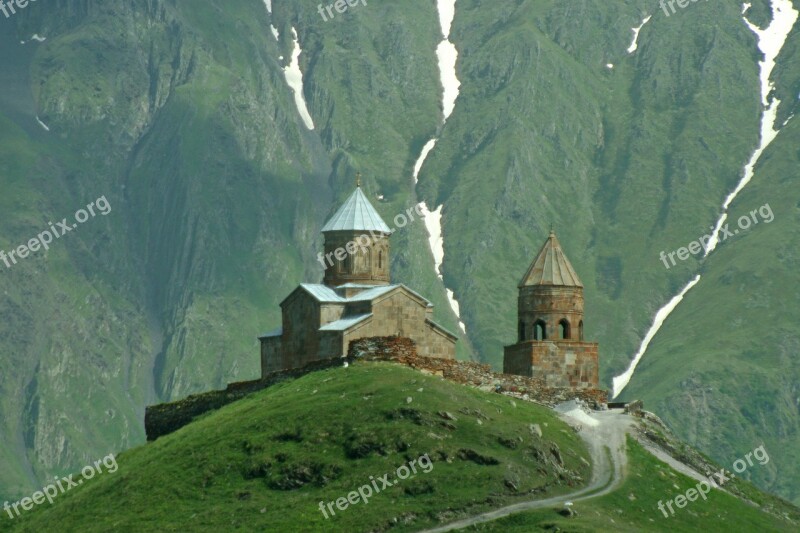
{"points": [[380, 260], [563, 329], [580, 330], [521, 331], [540, 330], [362, 260]]}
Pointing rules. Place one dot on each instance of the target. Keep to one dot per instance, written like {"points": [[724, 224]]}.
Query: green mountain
{"points": [[179, 114], [266, 462]]}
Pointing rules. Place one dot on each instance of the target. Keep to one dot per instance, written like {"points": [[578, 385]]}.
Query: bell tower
{"points": [[550, 343], [550, 303], [356, 246]]}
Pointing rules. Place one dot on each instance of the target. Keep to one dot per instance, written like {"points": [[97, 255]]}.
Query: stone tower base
{"points": [[558, 363]]}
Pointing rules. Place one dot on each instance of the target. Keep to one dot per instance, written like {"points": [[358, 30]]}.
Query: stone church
{"points": [[550, 341], [355, 299]]}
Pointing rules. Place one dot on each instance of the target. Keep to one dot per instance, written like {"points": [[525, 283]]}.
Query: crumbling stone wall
{"points": [[165, 418], [403, 351]]}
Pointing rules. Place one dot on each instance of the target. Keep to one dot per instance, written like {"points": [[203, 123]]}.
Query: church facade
{"points": [[550, 343], [355, 300]]}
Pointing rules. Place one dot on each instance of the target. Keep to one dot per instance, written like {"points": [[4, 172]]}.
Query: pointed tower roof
{"points": [[356, 214], [551, 267]]}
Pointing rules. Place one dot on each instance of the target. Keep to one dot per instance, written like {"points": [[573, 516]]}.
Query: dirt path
{"points": [[606, 443]]}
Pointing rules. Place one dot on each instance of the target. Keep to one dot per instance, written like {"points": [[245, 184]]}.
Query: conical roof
{"points": [[356, 214], [551, 267]]}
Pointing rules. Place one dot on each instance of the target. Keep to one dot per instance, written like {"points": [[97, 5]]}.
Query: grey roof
{"points": [[441, 327], [370, 294], [322, 293], [551, 267], [356, 214], [344, 323], [325, 294]]}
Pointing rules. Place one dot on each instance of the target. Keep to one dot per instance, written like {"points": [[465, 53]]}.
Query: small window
{"points": [[380, 260], [346, 266], [521, 331], [580, 330], [563, 329], [540, 330]]}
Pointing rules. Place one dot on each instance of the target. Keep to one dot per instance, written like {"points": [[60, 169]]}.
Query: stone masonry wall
{"points": [[558, 364], [270, 355], [166, 418], [402, 314], [403, 351]]}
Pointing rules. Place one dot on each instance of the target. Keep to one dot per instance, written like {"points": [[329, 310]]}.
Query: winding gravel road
{"points": [[606, 443]]}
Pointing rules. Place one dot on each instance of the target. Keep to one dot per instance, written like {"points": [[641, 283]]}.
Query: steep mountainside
{"points": [[178, 112]]}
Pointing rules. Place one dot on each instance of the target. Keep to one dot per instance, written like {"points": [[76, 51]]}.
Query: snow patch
{"points": [[42, 124], [447, 55], [621, 381], [422, 157], [447, 12], [268, 3], [294, 77], [275, 32], [35, 37], [609, 65], [433, 223], [635, 43]]}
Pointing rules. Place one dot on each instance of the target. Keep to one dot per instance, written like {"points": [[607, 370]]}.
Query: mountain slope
{"points": [[179, 113]]}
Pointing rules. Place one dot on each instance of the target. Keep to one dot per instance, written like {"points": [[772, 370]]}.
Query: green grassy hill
{"points": [[265, 462], [179, 113], [633, 508]]}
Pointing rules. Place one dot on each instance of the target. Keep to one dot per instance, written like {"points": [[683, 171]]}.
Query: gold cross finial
{"points": [[358, 179]]}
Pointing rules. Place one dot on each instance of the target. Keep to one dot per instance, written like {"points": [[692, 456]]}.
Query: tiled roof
{"points": [[551, 267], [356, 214], [344, 323]]}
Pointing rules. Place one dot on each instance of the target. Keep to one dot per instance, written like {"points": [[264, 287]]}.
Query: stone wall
{"points": [[551, 304], [369, 265], [557, 363], [438, 343], [270, 354], [165, 418], [403, 351], [402, 313]]}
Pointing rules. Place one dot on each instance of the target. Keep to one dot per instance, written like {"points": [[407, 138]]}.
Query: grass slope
{"points": [[634, 507], [265, 462]]}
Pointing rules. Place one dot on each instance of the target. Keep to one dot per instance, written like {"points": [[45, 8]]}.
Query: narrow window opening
{"points": [[540, 330], [563, 329]]}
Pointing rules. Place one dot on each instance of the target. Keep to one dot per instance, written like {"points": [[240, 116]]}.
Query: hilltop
{"points": [[265, 462]]}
